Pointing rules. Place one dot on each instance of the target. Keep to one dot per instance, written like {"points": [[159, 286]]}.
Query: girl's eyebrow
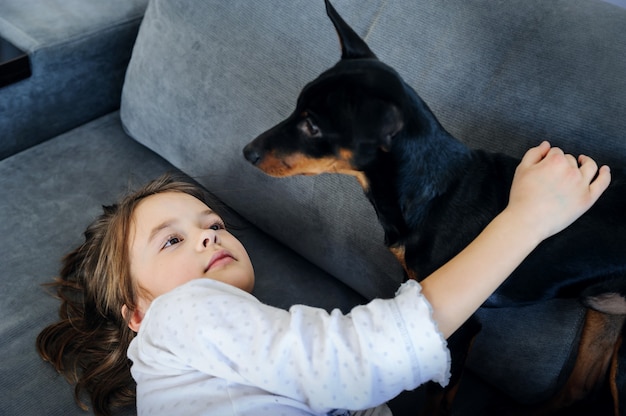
{"points": [[158, 228], [206, 213]]}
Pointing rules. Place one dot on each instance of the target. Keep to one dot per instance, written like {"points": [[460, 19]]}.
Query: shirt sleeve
{"points": [[327, 360]]}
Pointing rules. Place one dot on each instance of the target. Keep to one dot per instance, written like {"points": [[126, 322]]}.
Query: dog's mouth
{"points": [[286, 164], [302, 165], [298, 164]]}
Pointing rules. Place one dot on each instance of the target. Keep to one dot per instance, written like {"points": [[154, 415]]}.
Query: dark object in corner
{"points": [[14, 63]]}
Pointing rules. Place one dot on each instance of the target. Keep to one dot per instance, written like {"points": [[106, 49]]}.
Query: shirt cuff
{"points": [[430, 347]]}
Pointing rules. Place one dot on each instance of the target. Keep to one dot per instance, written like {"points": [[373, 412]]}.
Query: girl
{"points": [[161, 289]]}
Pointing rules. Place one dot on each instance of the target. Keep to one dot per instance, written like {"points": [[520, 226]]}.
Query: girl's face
{"points": [[176, 238]]}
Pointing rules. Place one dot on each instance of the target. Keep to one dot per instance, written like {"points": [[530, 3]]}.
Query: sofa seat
{"points": [[46, 201]]}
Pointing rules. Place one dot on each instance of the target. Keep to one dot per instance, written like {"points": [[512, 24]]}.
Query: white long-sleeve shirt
{"points": [[208, 348]]}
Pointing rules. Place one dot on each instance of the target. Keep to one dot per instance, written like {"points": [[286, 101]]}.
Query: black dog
{"points": [[433, 196]]}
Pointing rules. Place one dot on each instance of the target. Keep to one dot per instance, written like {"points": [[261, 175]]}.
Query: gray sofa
{"points": [[207, 76]]}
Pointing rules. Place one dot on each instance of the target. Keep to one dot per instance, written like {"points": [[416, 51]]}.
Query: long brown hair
{"points": [[89, 342]]}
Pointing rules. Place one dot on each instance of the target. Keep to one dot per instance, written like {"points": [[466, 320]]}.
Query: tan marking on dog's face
{"points": [[300, 164]]}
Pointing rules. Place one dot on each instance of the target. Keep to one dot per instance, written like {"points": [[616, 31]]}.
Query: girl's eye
{"points": [[171, 241], [219, 225]]}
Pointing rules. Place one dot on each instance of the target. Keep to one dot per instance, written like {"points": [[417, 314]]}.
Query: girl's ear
{"points": [[134, 321]]}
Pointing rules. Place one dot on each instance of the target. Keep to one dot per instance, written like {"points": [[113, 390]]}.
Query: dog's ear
{"points": [[380, 122], [352, 46], [391, 124]]}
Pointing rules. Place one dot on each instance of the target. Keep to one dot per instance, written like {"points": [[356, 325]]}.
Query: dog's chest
{"points": [[439, 228]]}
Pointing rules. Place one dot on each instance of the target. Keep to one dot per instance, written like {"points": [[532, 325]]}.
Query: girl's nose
{"points": [[208, 237]]}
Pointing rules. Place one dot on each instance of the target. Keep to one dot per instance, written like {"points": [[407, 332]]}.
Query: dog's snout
{"points": [[251, 154]]}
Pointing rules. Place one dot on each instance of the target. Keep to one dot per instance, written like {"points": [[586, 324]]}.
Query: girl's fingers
{"points": [[600, 184], [535, 154], [588, 167], [572, 160]]}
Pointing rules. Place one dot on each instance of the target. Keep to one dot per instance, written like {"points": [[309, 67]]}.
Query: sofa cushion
{"points": [[48, 195], [78, 50]]}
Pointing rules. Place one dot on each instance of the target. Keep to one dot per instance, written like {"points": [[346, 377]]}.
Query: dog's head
{"points": [[342, 119]]}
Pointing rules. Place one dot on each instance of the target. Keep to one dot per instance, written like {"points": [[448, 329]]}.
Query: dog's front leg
{"points": [[617, 376]]}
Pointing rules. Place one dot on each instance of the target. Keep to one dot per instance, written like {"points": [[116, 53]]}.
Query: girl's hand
{"points": [[551, 189]]}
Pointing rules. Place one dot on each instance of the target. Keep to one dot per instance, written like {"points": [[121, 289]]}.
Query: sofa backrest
{"points": [[208, 76]]}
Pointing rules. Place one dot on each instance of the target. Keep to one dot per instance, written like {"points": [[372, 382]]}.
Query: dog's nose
{"points": [[251, 154]]}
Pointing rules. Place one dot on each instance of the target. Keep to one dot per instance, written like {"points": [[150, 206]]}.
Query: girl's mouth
{"points": [[220, 258]]}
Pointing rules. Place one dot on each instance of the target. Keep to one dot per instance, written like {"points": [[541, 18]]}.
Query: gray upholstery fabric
{"points": [[505, 75], [48, 195], [79, 50]]}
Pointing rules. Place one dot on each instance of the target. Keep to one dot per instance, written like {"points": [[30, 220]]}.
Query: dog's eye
{"points": [[311, 129]]}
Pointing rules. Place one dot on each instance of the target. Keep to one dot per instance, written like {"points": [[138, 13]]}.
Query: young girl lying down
{"points": [[161, 290]]}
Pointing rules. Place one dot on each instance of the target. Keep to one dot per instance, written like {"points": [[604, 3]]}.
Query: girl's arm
{"points": [[549, 192], [303, 358], [308, 357]]}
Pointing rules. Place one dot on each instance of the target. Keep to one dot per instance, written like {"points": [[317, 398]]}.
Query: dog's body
{"points": [[433, 195]]}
